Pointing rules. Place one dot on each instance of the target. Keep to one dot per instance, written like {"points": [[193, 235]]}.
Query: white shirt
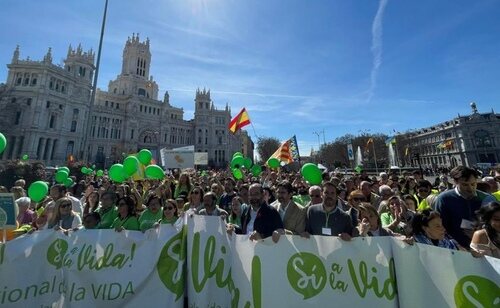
{"points": [[253, 215]]}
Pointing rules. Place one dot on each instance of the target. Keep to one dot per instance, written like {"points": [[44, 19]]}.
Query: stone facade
{"points": [[469, 140], [44, 112]]}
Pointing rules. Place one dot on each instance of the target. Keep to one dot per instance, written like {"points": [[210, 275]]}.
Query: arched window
{"points": [[73, 126], [141, 92], [482, 139]]}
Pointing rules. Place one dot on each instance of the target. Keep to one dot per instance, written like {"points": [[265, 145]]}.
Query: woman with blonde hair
{"points": [[64, 218]]}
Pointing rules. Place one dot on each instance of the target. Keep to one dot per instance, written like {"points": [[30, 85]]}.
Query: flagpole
{"points": [[375, 156]]}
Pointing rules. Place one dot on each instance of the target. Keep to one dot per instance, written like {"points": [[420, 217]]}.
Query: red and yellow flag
{"points": [[240, 120]]}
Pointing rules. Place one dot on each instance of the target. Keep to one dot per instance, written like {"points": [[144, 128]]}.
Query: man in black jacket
{"points": [[259, 220]]}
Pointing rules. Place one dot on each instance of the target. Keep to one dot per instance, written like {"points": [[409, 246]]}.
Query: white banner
{"points": [[93, 268], [201, 158], [325, 271], [177, 159], [438, 277]]}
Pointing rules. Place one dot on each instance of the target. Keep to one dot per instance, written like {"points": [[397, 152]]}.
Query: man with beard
{"points": [[326, 218], [292, 214], [458, 206], [259, 220], [302, 198]]}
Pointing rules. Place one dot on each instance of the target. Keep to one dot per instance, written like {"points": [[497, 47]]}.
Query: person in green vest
{"points": [[107, 210], [127, 218], [152, 214], [424, 189]]}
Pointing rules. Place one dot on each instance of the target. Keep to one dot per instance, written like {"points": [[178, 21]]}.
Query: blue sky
{"points": [[297, 66]]}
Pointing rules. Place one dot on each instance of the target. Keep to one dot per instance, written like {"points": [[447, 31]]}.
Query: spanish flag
{"points": [[240, 120]]}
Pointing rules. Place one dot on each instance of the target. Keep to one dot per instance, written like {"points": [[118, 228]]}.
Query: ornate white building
{"points": [[44, 112]]}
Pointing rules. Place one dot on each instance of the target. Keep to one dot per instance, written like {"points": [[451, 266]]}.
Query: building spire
{"points": [[48, 56], [15, 56]]}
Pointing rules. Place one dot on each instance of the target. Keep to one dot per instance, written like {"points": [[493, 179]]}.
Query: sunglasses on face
{"points": [[315, 196], [358, 199], [169, 208], [196, 192], [65, 205]]}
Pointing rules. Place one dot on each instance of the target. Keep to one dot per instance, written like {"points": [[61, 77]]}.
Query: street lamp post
{"points": [[86, 132]]}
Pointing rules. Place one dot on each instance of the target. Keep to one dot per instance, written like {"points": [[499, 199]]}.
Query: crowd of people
{"points": [[459, 211]]}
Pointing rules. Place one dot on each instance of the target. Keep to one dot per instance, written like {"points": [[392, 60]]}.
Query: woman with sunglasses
{"points": [[194, 200], [64, 218], [354, 199], [152, 214], [170, 215], [127, 219]]}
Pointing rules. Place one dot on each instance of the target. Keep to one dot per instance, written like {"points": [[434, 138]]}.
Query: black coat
{"points": [[267, 221]]}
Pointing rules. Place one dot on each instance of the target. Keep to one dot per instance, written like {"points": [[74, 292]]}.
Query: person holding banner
{"points": [[152, 214], [427, 228], [210, 207], [458, 206], [127, 218], [370, 223], [170, 214], [64, 218], [259, 220], [292, 214], [108, 211], [486, 240], [326, 218]]}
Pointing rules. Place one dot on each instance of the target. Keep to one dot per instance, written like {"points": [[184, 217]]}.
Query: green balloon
{"points": [[63, 168], [25, 157], [311, 173], [145, 156], [154, 172], [61, 175], [237, 154], [3, 142], [130, 165], [237, 174], [247, 162], [237, 162], [84, 170], [38, 190], [117, 174], [256, 170], [273, 162], [93, 167], [100, 173], [68, 182]]}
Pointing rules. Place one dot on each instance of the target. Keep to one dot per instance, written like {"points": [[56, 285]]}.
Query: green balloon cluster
{"points": [[154, 172], [3, 143], [38, 190], [273, 162], [238, 162], [311, 173]]}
